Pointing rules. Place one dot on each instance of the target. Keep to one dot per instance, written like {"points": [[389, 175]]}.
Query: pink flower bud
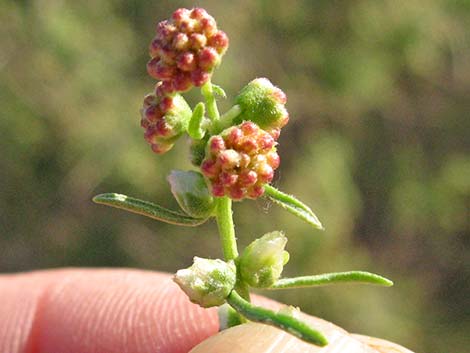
{"points": [[197, 41], [199, 77], [165, 30], [165, 104], [255, 192], [180, 15], [164, 88], [186, 61], [209, 26], [219, 41], [216, 144], [181, 41], [248, 178], [228, 179], [208, 58], [159, 70], [182, 81], [199, 13], [210, 168], [161, 147], [228, 159]]}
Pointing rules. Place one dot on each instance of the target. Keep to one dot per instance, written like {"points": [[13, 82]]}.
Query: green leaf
{"points": [[332, 278], [219, 91], [148, 209], [195, 129], [294, 206], [284, 321]]}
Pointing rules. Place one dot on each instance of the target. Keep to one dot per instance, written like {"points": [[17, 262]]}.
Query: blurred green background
{"points": [[379, 99]]}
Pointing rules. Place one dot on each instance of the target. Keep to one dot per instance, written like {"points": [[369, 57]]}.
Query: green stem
{"points": [[211, 104], [226, 228], [284, 321], [332, 278]]}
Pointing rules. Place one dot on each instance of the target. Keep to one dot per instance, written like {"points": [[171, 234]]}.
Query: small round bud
{"points": [[207, 282], [262, 262], [191, 192], [186, 62], [263, 103], [219, 41]]}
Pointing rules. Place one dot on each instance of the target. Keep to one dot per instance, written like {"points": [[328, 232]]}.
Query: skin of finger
{"points": [[381, 345], [102, 311], [259, 338]]}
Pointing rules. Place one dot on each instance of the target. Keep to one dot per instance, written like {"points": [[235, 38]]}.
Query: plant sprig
{"points": [[236, 156]]}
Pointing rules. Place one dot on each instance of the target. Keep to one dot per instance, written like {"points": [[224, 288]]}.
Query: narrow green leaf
{"points": [[284, 321], [146, 208], [331, 278], [195, 130], [219, 91], [294, 206]]}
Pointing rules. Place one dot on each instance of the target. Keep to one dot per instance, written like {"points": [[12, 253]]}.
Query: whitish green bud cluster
{"points": [[263, 103], [207, 282], [262, 261]]}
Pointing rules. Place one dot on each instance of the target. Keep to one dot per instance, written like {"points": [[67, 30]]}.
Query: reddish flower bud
{"points": [[199, 77], [186, 61], [228, 179], [197, 41], [248, 178], [164, 88], [159, 70], [216, 144], [273, 159], [182, 81], [161, 147], [208, 58], [210, 168], [165, 30], [165, 104], [209, 26], [199, 13], [219, 41], [181, 42], [180, 15]]}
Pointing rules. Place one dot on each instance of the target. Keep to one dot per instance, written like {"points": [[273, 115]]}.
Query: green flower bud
{"points": [[207, 282], [191, 192], [262, 261], [262, 103]]}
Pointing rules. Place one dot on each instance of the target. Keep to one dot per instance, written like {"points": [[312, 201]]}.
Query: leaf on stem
{"points": [[148, 209], [293, 205], [195, 130], [331, 278], [284, 321], [219, 91]]}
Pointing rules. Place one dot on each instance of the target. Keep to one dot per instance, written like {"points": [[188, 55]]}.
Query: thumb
{"points": [[259, 338]]}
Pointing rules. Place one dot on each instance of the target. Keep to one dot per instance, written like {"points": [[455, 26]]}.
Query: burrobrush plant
{"points": [[235, 157]]}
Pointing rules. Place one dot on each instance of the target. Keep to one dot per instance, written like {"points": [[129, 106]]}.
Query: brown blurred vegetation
{"points": [[379, 98]]}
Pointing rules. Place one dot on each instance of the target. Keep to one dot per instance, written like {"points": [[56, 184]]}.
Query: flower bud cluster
{"points": [[239, 161], [264, 104], [164, 119], [185, 50], [207, 282], [262, 262]]}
